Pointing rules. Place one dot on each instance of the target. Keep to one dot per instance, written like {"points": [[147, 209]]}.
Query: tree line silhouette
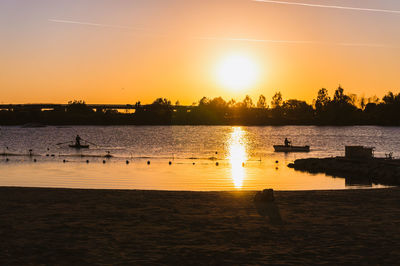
{"points": [[340, 109]]}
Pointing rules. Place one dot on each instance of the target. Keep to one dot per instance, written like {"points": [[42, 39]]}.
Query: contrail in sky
{"points": [[329, 6], [271, 41], [295, 42], [255, 40], [90, 24]]}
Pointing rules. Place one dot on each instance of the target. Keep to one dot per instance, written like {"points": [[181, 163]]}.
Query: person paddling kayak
{"points": [[78, 141], [287, 142], [77, 144]]}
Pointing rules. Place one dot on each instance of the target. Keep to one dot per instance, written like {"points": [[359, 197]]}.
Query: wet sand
{"points": [[66, 226]]}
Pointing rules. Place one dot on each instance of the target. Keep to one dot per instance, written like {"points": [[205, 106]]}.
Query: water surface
{"points": [[202, 157]]}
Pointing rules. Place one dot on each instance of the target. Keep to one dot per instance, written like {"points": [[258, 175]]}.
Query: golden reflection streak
{"points": [[237, 156]]}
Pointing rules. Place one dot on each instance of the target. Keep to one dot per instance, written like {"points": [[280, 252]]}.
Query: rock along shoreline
{"points": [[375, 170]]}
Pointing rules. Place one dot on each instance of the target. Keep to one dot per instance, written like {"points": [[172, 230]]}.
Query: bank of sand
{"points": [[66, 226]]}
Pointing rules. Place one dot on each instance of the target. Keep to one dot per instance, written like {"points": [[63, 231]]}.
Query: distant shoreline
{"points": [[187, 191], [341, 110], [184, 125]]}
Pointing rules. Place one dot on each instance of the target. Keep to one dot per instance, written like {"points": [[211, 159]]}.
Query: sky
{"points": [[123, 51]]}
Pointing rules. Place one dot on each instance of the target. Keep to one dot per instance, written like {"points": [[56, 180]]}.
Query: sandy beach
{"points": [[69, 226]]}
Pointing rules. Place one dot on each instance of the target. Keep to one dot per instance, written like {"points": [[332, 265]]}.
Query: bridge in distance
{"points": [[46, 106]]}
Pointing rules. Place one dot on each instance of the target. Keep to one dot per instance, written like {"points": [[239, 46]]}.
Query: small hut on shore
{"points": [[359, 152]]}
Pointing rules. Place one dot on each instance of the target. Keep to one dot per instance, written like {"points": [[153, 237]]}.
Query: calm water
{"points": [[245, 156]]}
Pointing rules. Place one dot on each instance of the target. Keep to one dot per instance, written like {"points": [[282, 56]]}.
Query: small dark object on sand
{"points": [[169, 162], [216, 163], [127, 162], [7, 159], [276, 161], [148, 162], [87, 161], [266, 206], [64, 161], [104, 161]]}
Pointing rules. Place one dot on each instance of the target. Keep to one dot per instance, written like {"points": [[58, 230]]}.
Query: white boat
{"points": [[283, 148]]}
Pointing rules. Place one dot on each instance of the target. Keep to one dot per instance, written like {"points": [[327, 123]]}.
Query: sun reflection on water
{"points": [[237, 156]]}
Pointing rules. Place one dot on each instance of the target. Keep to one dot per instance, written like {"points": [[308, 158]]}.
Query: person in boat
{"points": [[287, 142], [78, 140]]}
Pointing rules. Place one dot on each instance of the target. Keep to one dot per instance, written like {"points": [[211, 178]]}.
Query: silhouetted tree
{"points": [[353, 99], [297, 112], [162, 102], [373, 99], [363, 102], [341, 110], [276, 100], [389, 98], [262, 102], [218, 103], [78, 107], [204, 101], [248, 102], [340, 97], [322, 100], [232, 103]]}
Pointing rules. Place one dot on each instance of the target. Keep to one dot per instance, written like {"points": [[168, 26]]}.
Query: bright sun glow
{"points": [[237, 72]]}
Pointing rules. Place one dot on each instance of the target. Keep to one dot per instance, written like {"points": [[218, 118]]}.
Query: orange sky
{"points": [[104, 51]]}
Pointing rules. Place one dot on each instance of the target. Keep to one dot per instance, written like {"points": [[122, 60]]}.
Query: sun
{"points": [[237, 72]]}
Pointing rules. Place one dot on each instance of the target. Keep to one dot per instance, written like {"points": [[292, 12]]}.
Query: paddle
{"points": [[63, 142], [90, 142]]}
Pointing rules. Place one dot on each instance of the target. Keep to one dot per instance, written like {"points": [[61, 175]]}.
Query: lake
{"points": [[197, 158]]}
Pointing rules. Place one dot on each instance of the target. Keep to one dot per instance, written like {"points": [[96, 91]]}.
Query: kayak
{"points": [[78, 146], [283, 148]]}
